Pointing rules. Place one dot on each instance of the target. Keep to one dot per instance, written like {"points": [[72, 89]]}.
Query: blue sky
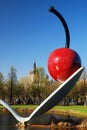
{"points": [[28, 32]]}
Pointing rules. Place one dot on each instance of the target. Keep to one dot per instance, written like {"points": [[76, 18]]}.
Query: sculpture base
{"points": [[22, 124]]}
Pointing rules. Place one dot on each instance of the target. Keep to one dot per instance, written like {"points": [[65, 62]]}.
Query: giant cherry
{"points": [[63, 62]]}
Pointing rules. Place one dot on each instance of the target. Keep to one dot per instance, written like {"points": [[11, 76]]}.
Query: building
{"points": [[32, 73]]}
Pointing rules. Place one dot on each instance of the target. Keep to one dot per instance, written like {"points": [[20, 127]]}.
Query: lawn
{"points": [[73, 110]]}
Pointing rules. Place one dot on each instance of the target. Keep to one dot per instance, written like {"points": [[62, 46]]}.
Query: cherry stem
{"points": [[51, 9]]}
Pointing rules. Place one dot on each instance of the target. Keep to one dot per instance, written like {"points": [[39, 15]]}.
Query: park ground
{"points": [[76, 110]]}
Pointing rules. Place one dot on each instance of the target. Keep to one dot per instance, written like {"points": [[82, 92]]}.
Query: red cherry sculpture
{"points": [[63, 62]]}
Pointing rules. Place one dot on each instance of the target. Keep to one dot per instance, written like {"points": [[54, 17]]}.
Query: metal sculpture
{"points": [[63, 62], [68, 79]]}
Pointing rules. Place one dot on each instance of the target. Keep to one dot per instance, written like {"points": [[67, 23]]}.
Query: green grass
{"points": [[24, 106], [74, 110], [21, 106]]}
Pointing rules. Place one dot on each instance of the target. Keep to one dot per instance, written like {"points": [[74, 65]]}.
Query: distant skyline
{"points": [[29, 32]]}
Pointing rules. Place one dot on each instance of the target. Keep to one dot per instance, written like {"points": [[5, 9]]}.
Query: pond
{"points": [[8, 122]]}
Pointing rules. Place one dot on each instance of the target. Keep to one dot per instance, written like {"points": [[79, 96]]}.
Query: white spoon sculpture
{"points": [[53, 99]]}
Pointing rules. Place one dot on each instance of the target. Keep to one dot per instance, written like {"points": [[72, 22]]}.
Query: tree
{"points": [[41, 71], [2, 91], [79, 92], [11, 82]]}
